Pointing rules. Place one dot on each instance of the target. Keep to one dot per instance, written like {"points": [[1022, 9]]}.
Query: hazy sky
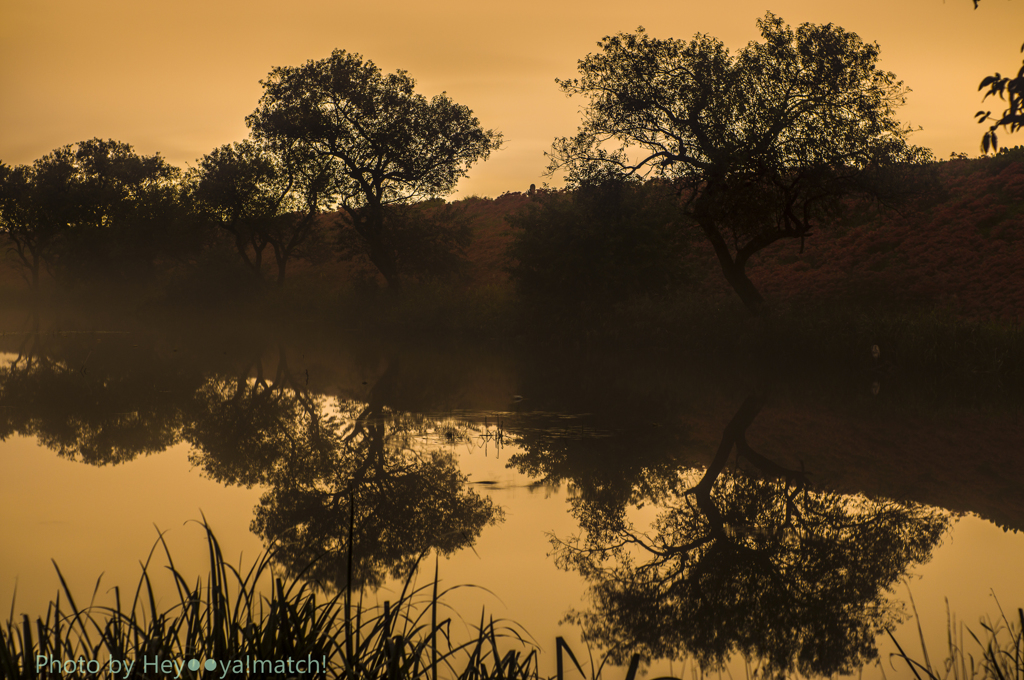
{"points": [[179, 78]]}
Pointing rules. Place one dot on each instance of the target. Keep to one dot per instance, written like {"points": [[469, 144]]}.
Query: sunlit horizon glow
{"points": [[179, 79]]}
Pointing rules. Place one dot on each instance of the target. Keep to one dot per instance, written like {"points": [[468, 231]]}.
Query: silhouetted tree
{"points": [[29, 230], [762, 144], [393, 145], [263, 197], [94, 210], [428, 239], [126, 216]]}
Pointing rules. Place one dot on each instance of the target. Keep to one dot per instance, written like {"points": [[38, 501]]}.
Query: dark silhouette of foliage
{"points": [[30, 232], [263, 197], [1010, 90], [428, 239], [393, 146], [608, 240], [761, 144], [125, 214], [95, 211]]}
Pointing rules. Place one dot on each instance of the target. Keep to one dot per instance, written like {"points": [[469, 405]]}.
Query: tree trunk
{"points": [[369, 224], [735, 272], [744, 287]]}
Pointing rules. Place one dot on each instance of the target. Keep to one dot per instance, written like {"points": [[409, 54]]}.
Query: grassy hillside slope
{"points": [[961, 248]]}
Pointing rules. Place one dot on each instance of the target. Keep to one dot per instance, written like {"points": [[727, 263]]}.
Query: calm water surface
{"points": [[674, 508]]}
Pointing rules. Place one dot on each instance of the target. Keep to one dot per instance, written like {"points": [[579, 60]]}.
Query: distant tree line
{"points": [[611, 240], [680, 140], [334, 135]]}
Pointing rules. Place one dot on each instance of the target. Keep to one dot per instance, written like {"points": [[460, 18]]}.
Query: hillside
{"points": [[961, 247]]}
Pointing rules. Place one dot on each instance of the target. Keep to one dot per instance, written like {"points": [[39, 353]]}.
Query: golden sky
{"points": [[179, 78]]}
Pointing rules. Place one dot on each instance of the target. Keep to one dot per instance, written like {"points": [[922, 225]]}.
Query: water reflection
{"points": [[343, 476], [753, 560], [87, 400], [755, 563], [107, 401], [242, 427]]}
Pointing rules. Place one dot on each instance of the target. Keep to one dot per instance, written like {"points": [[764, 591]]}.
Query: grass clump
{"points": [[236, 617], [1000, 649]]}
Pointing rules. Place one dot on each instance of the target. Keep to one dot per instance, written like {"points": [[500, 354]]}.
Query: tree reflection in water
{"points": [[242, 427], [320, 457], [759, 565], [109, 398], [88, 401]]}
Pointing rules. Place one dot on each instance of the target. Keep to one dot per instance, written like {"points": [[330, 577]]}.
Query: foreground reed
{"points": [[229, 627], [255, 625], [1000, 649]]}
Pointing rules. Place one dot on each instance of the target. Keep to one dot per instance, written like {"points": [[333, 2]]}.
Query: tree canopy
{"points": [[394, 146], [762, 144], [95, 207], [265, 197]]}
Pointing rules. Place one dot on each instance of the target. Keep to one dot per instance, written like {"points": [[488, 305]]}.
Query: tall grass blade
{"points": [[634, 666], [560, 644], [910, 662]]}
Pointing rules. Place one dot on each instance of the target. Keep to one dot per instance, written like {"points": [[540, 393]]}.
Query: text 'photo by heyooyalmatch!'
{"points": [[173, 668]]}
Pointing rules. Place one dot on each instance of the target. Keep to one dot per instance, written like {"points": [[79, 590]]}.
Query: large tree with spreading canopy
{"points": [[763, 144], [393, 146]]}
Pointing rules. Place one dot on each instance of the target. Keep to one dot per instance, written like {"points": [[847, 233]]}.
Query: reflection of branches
{"points": [[80, 397], [804, 588], [764, 567], [318, 456], [240, 428], [406, 502]]}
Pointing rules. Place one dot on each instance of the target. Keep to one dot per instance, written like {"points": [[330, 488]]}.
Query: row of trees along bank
{"points": [[743, 149], [334, 135]]}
